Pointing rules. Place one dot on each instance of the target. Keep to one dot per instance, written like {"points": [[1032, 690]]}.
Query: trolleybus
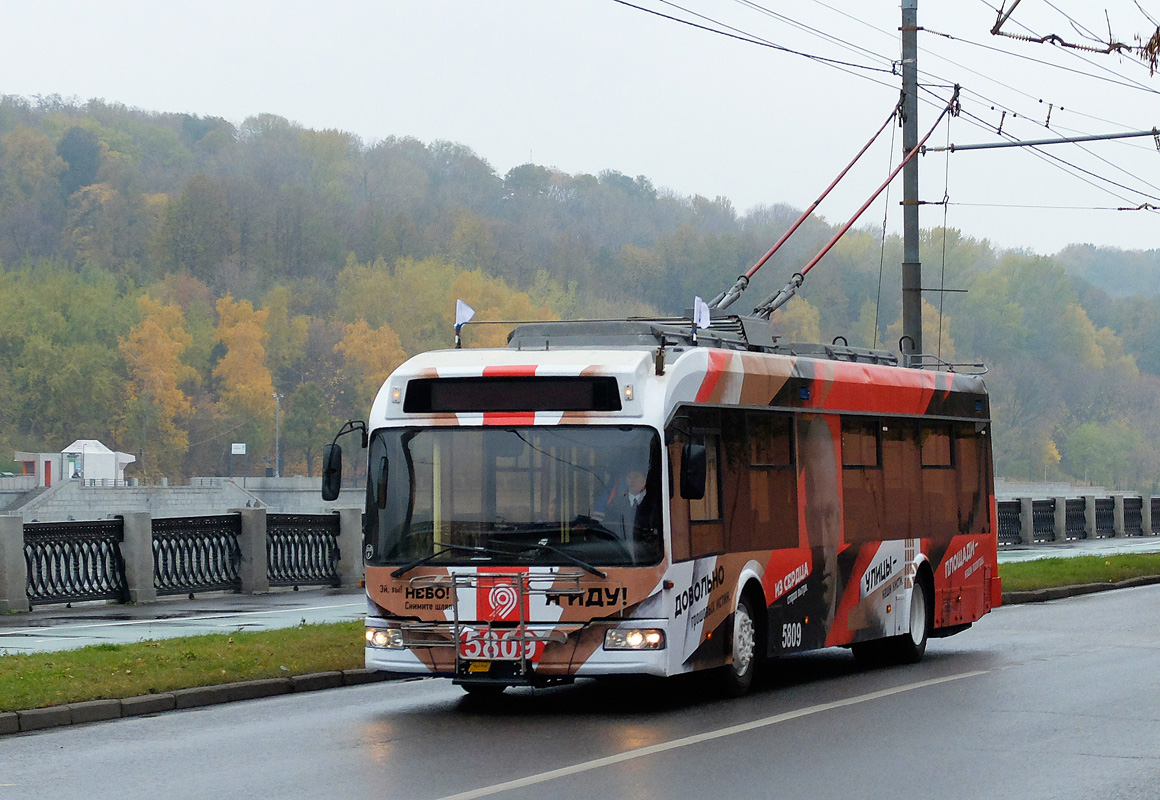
{"points": [[638, 497]]}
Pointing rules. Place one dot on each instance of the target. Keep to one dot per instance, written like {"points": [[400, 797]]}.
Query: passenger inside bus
{"points": [[632, 512]]}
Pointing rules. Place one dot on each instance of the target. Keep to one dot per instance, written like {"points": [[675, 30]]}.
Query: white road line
{"points": [[642, 752], [174, 620]]}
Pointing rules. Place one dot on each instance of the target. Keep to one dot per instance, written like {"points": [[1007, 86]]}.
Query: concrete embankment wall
{"points": [[73, 500]]}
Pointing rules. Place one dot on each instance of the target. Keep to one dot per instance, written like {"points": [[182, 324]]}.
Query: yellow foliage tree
{"points": [[245, 388], [492, 300], [943, 347], [287, 334], [797, 321], [152, 353], [90, 216], [369, 356]]}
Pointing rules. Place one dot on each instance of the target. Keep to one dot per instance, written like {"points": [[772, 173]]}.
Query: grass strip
{"points": [[111, 671], [1046, 573]]}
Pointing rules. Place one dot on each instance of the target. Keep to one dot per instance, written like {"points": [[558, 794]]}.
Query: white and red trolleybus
{"points": [[631, 498]]}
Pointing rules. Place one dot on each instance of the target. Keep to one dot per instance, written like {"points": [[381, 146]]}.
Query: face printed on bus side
{"points": [[822, 509]]}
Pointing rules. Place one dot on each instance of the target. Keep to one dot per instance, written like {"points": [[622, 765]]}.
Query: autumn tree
{"points": [[152, 353], [493, 300], [245, 389], [31, 206], [80, 149], [196, 235], [797, 321], [369, 356], [307, 426]]}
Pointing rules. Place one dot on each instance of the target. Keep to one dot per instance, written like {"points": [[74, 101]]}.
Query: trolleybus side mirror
{"points": [[331, 471], [693, 471]]}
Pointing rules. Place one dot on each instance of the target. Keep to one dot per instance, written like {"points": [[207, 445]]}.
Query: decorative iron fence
{"points": [[1133, 516], [1010, 525], [1105, 517], [302, 549], [1075, 518], [73, 561], [196, 554], [1043, 520]]}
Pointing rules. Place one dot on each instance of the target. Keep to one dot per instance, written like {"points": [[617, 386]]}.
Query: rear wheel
{"points": [[908, 648], [737, 677]]}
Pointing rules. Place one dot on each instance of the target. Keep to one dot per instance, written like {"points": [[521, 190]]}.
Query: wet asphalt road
{"points": [[1048, 700]]}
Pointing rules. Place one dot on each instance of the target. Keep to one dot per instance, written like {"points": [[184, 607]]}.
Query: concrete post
{"points": [[1118, 516], [1146, 515], [137, 550], [350, 544], [1026, 522], [1089, 516], [13, 567], [252, 541], [1060, 519]]}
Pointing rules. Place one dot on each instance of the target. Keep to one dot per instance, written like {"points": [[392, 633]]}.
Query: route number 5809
{"points": [[791, 635]]}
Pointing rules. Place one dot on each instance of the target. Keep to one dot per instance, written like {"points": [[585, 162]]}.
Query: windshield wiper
{"points": [[584, 565], [398, 573]]}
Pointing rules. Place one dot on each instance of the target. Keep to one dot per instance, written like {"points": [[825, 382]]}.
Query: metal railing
{"points": [[74, 561], [1010, 523], [1043, 520], [1105, 517], [1133, 516], [1075, 519], [302, 549], [196, 554]]}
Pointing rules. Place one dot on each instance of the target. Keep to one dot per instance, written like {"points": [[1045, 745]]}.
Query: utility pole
{"points": [[911, 267], [277, 434]]}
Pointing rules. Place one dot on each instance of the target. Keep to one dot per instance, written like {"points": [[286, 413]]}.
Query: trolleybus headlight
{"points": [[385, 638], [635, 639]]}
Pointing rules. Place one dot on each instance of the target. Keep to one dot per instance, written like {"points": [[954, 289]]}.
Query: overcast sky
{"points": [[589, 85]]}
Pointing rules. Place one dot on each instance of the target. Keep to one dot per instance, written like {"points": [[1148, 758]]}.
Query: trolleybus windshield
{"points": [[514, 495]]}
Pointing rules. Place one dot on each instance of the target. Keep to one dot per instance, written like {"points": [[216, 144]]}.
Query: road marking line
{"points": [[172, 620], [642, 752]]}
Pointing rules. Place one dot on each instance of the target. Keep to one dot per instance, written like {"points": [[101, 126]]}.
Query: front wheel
{"points": [[737, 677]]}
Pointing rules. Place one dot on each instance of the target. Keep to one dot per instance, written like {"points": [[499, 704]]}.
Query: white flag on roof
{"points": [[463, 313], [700, 313]]}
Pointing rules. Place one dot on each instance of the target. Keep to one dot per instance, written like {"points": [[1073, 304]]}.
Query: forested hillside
{"points": [[164, 275]]}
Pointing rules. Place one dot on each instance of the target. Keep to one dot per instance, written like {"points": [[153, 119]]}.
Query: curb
{"points": [[37, 719], [1061, 592]]}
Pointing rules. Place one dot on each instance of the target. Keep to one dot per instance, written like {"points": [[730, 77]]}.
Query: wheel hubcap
{"points": [[744, 640]]}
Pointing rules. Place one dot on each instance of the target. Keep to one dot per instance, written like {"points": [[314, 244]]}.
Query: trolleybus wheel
{"points": [[738, 676], [907, 648], [910, 647]]}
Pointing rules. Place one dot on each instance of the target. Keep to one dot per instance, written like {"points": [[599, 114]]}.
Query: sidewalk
{"points": [[58, 627], [1080, 547]]}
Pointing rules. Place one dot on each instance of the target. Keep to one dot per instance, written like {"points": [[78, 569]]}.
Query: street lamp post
{"points": [[277, 434]]}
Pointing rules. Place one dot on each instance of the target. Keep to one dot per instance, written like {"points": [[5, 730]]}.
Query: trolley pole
{"points": [[911, 267]]}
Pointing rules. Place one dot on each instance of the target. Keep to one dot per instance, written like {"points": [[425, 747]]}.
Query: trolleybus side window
{"points": [[771, 486], [861, 446], [971, 469], [940, 500], [936, 445], [697, 525], [863, 480]]}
